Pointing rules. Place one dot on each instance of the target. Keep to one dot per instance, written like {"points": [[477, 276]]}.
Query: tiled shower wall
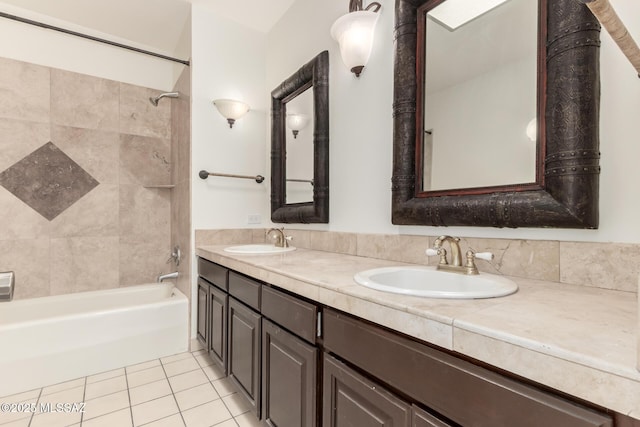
{"points": [[181, 177], [77, 154]]}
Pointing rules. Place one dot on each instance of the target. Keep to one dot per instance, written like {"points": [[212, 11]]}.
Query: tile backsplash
{"points": [[601, 265], [76, 155]]}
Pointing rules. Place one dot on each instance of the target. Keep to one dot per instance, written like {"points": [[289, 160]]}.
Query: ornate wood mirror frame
{"points": [[314, 75], [565, 194]]}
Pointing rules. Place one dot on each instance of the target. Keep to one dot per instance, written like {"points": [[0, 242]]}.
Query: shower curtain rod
{"points": [[88, 37]]}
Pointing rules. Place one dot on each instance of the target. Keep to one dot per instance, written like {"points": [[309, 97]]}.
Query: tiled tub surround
{"points": [[58, 338], [578, 340], [62, 234]]}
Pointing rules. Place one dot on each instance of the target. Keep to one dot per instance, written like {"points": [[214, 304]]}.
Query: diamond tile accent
{"points": [[48, 181]]}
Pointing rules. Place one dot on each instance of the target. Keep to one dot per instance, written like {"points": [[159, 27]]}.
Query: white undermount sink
{"points": [[429, 282], [258, 249]]}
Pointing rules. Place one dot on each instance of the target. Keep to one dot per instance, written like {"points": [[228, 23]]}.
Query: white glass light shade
{"points": [[231, 110], [453, 14], [354, 33], [532, 129], [297, 122]]}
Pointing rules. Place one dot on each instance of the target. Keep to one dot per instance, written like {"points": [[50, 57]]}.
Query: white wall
{"points": [[228, 62], [36, 45], [361, 128]]}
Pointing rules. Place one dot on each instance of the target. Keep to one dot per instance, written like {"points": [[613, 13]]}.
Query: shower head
{"points": [[155, 100]]}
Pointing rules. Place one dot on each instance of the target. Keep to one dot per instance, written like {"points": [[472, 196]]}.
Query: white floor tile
{"points": [[73, 395], [105, 375], [181, 366], [213, 372], [188, 380], [142, 366], [206, 415], [195, 396], [197, 353], [55, 419], [105, 387], [151, 391], [63, 386], [119, 418], [154, 410], [24, 422], [248, 420], [204, 360], [237, 404], [176, 357], [172, 421], [27, 396], [228, 423], [106, 404], [145, 377], [30, 397], [224, 387]]}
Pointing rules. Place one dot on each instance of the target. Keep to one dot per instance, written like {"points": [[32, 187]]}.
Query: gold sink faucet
{"points": [[456, 259], [281, 240]]}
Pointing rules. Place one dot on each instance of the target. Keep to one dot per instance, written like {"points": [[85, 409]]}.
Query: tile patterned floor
{"points": [[180, 390]]}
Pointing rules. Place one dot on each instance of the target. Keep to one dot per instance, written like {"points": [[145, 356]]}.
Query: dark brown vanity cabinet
{"points": [[289, 360], [245, 323], [213, 302], [466, 394]]}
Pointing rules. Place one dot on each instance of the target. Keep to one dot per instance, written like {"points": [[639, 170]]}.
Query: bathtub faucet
{"points": [[163, 277]]}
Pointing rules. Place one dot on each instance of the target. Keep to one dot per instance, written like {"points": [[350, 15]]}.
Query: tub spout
{"points": [[163, 277]]}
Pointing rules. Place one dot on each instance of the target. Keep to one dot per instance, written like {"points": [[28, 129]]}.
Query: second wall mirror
{"points": [[496, 115], [300, 145]]}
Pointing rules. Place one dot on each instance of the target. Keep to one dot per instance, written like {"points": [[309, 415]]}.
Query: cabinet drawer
{"points": [[290, 312], [461, 391], [350, 399], [213, 273], [245, 289]]}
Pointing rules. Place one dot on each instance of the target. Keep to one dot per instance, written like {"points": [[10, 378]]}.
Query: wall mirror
{"points": [[496, 114], [300, 145]]}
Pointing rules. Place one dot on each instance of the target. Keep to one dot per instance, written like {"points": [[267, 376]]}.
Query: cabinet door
{"points": [[350, 400], [289, 378], [244, 352], [203, 296], [421, 418], [218, 305]]}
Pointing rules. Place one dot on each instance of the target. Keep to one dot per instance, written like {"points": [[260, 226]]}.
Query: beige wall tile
{"points": [[144, 160], [96, 214], [24, 90], [83, 101], [394, 247], [300, 238], [29, 259], [143, 262], [95, 151], [181, 140], [223, 237], [18, 220], [84, 264], [139, 117], [609, 266], [19, 139], [344, 243], [533, 259], [144, 214]]}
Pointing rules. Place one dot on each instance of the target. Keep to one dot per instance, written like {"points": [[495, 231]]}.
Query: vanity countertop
{"points": [[578, 340]]}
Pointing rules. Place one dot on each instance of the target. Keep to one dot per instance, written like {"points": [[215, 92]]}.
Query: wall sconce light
{"points": [[532, 130], [354, 33], [231, 110], [297, 122]]}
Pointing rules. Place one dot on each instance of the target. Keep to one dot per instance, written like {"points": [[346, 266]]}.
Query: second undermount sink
{"points": [[429, 282], [258, 249]]}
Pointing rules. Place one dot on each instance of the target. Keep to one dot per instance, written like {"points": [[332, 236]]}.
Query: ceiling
{"points": [[155, 24]]}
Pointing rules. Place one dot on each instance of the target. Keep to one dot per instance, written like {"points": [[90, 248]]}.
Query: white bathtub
{"points": [[48, 340]]}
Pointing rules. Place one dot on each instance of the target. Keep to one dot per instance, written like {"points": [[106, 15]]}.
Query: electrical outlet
{"points": [[254, 219]]}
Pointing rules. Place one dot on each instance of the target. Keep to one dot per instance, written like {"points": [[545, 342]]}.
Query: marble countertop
{"points": [[578, 340]]}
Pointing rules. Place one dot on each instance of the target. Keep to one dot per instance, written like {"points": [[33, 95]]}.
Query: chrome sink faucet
{"points": [[281, 240], [456, 259]]}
